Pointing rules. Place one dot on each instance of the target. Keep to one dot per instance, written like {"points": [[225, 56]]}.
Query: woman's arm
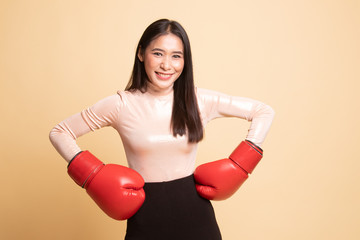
{"points": [[218, 180], [215, 105], [116, 189], [63, 136]]}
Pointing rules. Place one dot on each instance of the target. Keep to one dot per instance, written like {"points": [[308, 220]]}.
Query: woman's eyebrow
{"points": [[161, 50], [178, 52], [158, 49]]}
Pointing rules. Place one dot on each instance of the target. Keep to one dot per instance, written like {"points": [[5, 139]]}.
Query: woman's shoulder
{"points": [[127, 98], [126, 95]]}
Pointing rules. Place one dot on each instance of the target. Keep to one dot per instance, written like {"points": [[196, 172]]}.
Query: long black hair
{"points": [[185, 117]]}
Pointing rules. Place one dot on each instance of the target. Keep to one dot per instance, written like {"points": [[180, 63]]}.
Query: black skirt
{"points": [[173, 211]]}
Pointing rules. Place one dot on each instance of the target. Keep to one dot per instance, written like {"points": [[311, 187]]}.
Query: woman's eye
{"points": [[157, 54], [176, 56]]}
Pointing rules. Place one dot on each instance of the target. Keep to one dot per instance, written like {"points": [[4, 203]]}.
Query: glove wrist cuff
{"points": [[83, 166], [247, 155]]}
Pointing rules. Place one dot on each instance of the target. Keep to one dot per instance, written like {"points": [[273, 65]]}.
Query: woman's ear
{"points": [[140, 55]]}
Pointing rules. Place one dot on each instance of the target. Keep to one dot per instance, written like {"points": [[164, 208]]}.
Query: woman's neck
{"points": [[157, 91]]}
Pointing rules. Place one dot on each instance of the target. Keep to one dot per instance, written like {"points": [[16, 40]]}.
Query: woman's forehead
{"points": [[167, 42]]}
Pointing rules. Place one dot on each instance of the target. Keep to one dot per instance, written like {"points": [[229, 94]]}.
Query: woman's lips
{"points": [[163, 76]]}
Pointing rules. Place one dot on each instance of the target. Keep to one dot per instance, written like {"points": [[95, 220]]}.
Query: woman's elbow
{"points": [[271, 112], [54, 132]]}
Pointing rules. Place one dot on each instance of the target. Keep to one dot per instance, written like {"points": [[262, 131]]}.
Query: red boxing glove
{"points": [[220, 179], [116, 189]]}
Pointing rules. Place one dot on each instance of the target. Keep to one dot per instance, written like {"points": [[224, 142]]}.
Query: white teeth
{"points": [[163, 75]]}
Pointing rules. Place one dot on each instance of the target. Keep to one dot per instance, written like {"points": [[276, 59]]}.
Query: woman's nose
{"points": [[165, 64]]}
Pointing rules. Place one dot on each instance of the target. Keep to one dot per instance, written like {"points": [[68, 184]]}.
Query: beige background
{"points": [[301, 57]]}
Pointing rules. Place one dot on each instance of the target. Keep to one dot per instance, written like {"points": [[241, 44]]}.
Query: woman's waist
{"points": [[163, 169]]}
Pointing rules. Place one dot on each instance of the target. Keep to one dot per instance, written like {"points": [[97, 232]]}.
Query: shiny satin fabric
{"points": [[143, 123]]}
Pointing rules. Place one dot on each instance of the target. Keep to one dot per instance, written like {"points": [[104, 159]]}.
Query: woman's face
{"points": [[164, 62]]}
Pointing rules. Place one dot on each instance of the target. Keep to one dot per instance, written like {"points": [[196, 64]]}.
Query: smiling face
{"points": [[164, 62]]}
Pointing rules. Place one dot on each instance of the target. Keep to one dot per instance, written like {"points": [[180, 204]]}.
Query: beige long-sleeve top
{"points": [[143, 123]]}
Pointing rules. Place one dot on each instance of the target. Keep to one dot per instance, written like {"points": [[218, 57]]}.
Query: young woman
{"points": [[160, 118]]}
